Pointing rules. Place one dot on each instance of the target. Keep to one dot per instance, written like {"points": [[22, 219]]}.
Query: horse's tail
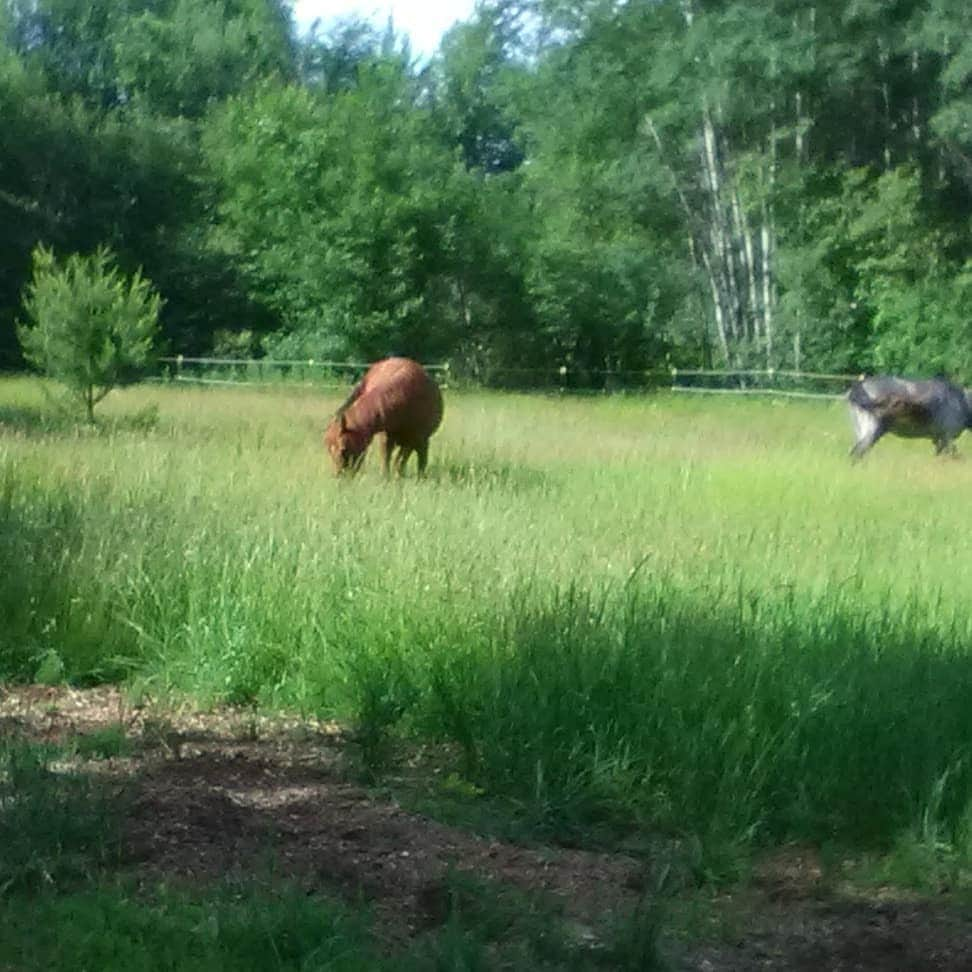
{"points": [[858, 396]]}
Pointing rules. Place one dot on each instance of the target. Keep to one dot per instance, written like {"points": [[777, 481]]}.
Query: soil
{"points": [[223, 793]]}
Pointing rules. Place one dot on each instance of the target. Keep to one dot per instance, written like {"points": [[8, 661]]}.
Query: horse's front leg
{"points": [[387, 447]]}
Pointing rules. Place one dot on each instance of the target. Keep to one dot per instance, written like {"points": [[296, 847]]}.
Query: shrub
{"points": [[88, 326]]}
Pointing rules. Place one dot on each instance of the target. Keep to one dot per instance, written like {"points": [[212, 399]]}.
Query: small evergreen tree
{"points": [[88, 326]]}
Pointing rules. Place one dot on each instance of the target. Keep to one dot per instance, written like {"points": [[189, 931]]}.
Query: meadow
{"points": [[619, 615]]}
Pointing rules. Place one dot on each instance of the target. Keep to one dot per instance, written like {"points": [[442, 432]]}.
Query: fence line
{"points": [[764, 372], [762, 381], [180, 359], [191, 380], [740, 381], [237, 367], [775, 392]]}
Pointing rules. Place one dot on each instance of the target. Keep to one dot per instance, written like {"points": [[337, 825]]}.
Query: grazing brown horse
{"points": [[396, 397], [935, 409]]}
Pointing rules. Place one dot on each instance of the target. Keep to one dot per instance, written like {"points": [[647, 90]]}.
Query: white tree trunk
{"points": [[747, 257], [717, 305], [720, 230], [769, 297]]}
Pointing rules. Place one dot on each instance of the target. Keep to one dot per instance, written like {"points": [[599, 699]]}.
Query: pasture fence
{"points": [[782, 383], [309, 372], [328, 374]]}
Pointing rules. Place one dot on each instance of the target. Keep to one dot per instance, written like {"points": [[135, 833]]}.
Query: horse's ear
{"points": [[343, 423]]}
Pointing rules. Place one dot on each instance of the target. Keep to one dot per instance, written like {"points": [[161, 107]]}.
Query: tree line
{"points": [[604, 184]]}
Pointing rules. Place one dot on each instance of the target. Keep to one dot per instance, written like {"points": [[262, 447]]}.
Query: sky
{"points": [[425, 21]]}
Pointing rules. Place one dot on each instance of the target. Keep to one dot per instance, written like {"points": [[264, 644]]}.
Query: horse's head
{"points": [[345, 445]]}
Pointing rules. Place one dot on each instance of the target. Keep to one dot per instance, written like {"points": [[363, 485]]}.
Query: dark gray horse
{"points": [[935, 409]]}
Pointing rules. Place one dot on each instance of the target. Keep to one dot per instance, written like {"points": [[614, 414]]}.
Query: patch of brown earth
{"points": [[228, 793]]}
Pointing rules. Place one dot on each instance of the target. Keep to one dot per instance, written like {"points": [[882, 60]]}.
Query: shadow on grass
{"points": [[56, 625], [52, 419], [35, 420], [57, 826], [479, 474], [243, 858], [730, 722], [263, 851]]}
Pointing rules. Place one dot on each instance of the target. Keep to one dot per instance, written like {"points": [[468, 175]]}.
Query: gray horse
{"points": [[935, 409]]}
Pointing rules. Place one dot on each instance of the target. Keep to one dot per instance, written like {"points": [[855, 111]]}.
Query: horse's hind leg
{"points": [[862, 446], [869, 429], [422, 453], [404, 451]]}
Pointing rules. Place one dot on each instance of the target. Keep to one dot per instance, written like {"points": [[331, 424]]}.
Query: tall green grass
{"points": [[56, 826], [116, 927], [646, 612]]}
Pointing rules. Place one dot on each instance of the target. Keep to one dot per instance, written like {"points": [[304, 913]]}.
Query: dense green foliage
{"points": [[87, 326], [684, 617], [586, 182]]}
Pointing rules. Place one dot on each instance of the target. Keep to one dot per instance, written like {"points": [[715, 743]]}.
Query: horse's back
{"points": [[399, 396]]}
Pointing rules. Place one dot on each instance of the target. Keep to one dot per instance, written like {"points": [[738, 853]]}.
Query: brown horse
{"points": [[396, 397]]}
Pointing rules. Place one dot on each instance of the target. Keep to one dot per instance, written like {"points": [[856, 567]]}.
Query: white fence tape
{"points": [[710, 381]]}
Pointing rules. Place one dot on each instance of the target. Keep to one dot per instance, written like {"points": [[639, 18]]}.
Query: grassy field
{"points": [[620, 615]]}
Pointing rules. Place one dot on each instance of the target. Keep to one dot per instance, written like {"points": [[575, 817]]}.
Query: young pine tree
{"points": [[88, 326]]}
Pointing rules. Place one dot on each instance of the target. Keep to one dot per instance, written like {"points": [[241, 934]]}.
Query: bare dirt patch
{"points": [[798, 921], [225, 793]]}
